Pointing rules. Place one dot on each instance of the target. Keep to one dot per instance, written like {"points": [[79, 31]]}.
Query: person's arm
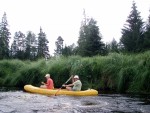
{"points": [[43, 83], [69, 85]]}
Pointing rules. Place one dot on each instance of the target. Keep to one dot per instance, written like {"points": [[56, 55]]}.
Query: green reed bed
{"points": [[8, 68], [59, 69], [118, 72]]}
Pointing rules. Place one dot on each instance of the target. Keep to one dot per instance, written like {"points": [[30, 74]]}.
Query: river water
{"points": [[23, 102]]}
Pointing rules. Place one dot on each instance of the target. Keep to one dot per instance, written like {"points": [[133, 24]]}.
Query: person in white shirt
{"points": [[75, 86]]}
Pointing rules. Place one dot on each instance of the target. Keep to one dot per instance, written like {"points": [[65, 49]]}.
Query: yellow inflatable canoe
{"points": [[33, 89]]}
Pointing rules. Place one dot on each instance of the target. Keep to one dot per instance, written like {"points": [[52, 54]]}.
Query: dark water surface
{"points": [[23, 102]]}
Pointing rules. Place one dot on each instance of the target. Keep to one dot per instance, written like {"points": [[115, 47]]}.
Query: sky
{"points": [[63, 17]]}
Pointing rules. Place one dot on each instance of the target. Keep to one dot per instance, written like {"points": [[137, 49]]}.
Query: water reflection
{"points": [[22, 102]]}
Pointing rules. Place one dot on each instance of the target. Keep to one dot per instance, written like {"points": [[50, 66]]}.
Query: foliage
{"points": [[113, 46], [4, 38], [118, 72], [31, 46], [43, 50], [59, 46], [8, 70], [18, 46], [146, 43], [132, 33], [69, 50], [59, 70], [89, 42]]}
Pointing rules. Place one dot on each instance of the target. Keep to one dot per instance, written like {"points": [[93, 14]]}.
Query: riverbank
{"points": [[121, 73]]}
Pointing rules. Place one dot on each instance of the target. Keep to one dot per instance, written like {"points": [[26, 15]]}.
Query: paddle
{"points": [[63, 84]]}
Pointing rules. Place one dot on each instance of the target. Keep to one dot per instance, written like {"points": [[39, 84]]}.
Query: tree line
{"points": [[23, 47], [135, 38]]}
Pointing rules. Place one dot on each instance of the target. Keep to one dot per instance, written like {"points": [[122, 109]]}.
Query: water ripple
{"points": [[19, 101]]}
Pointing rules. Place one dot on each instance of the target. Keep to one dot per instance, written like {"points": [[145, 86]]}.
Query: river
{"points": [[23, 102]]}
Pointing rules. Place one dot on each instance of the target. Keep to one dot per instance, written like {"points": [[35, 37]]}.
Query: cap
{"points": [[47, 75], [76, 76]]}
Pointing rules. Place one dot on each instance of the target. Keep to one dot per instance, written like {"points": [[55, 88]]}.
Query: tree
{"points": [[31, 46], [4, 38], [132, 33], [89, 42], [114, 46], [69, 50], [18, 46], [59, 46], [43, 50], [147, 35]]}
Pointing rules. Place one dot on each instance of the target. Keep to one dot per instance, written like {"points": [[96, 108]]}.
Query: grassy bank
{"points": [[122, 73]]}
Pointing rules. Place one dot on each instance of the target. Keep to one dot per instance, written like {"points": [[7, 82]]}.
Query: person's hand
{"points": [[64, 85], [42, 83]]}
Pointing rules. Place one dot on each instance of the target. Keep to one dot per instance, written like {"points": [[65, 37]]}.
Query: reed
{"points": [[59, 69], [119, 72], [8, 68]]}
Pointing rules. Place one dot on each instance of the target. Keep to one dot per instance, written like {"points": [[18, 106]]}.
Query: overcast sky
{"points": [[63, 17]]}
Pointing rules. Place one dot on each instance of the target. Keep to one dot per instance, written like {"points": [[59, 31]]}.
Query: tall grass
{"points": [[119, 72], [8, 68]]}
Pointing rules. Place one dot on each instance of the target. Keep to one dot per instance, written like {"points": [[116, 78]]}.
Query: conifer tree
{"points": [[59, 46], [89, 42], [31, 46], [132, 33], [18, 46], [4, 38], [69, 50], [43, 50], [66, 51], [147, 35], [113, 46]]}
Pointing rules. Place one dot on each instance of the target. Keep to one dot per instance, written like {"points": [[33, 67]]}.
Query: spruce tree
{"points": [[147, 35], [132, 33], [113, 46], [89, 42], [66, 51], [43, 50], [69, 50], [31, 46], [4, 38], [18, 46], [59, 46]]}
